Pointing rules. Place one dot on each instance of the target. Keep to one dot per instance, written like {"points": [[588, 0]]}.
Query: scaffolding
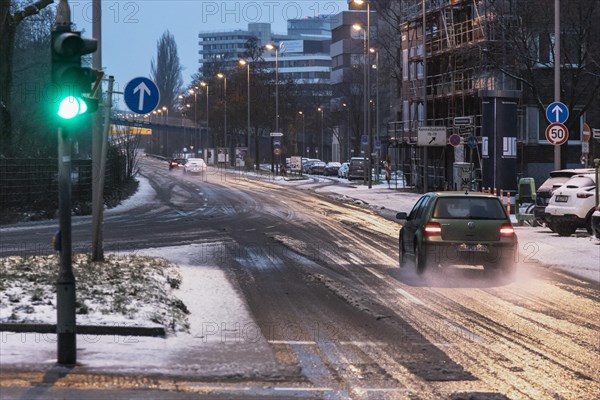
{"points": [[458, 36]]}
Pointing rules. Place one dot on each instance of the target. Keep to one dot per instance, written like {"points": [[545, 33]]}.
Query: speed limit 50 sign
{"points": [[557, 133]]}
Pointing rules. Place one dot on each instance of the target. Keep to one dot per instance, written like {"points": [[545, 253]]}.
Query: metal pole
{"points": [[206, 117], [322, 151], [557, 59], [225, 123], [65, 283], [97, 189], [248, 131], [425, 161], [368, 55], [276, 106], [365, 105]]}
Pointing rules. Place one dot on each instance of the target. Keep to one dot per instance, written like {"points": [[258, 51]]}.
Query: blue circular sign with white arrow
{"points": [[557, 112], [141, 95]]}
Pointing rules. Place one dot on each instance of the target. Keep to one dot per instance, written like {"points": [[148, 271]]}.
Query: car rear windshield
{"points": [[469, 207], [357, 162]]}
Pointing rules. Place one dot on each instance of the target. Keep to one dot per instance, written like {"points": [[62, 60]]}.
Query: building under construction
{"points": [[448, 81]]}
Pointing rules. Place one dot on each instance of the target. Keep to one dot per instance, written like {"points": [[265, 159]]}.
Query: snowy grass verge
{"points": [[122, 291]]}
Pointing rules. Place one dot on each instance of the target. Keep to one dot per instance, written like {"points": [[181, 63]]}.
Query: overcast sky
{"points": [[130, 29]]}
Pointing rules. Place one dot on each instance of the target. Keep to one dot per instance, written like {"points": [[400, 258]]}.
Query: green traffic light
{"points": [[70, 107]]}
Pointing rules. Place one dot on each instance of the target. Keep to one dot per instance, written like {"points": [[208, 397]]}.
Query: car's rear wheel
{"points": [[420, 260], [564, 228], [403, 257]]}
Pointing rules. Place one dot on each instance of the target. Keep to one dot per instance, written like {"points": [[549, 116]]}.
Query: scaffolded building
{"points": [[447, 80]]}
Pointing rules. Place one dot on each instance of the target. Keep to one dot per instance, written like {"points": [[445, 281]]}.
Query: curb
{"points": [[87, 329]]}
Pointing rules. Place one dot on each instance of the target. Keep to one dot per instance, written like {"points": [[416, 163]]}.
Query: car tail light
{"points": [[584, 195], [507, 230], [432, 229]]}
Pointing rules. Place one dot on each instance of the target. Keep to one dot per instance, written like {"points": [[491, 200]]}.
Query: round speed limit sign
{"points": [[557, 133]]}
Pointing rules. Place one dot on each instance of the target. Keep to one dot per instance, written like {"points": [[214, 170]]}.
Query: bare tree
{"points": [[11, 15], [527, 52], [166, 70]]}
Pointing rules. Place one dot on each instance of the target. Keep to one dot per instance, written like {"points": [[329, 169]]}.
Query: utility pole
{"points": [[98, 145], [74, 82], [557, 160]]}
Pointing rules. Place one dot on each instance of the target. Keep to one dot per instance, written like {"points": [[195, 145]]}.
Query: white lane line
{"points": [[402, 292], [360, 344], [315, 389], [293, 342], [377, 274], [250, 229], [409, 296]]}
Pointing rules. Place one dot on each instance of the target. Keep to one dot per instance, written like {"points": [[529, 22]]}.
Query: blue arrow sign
{"points": [[141, 95], [557, 112], [472, 142]]}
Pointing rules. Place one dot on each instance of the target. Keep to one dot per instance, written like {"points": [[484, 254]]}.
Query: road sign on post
{"points": [[431, 136], [557, 133], [141, 95], [557, 112]]}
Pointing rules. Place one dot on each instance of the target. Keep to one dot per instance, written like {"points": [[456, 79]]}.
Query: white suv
{"points": [[572, 205]]}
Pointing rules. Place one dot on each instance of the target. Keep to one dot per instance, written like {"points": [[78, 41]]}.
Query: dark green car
{"points": [[458, 228]]}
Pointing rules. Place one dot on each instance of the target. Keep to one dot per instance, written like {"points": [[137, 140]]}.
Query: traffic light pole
{"points": [[65, 283]]}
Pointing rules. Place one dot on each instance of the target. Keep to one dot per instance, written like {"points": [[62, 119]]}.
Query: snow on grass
{"points": [[123, 290]]}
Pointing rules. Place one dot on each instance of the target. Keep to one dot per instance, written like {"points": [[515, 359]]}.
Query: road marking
{"points": [[293, 342], [364, 343], [250, 229], [315, 389], [404, 293], [409, 296], [377, 274]]}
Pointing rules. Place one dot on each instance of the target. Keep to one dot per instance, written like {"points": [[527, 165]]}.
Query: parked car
{"points": [[307, 162], [356, 169], [595, 222], [449, 228], [317, 168], [194, 166], [544, 192], [572, 205], [177, 163], [343, 171], [332, 168]]}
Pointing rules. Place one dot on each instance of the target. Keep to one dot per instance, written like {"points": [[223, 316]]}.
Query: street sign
{"points": [[431, 136], [465, 130], [364, 140], [596, 133], [295, 163], [455, 140], [141, 95], [472, 142], [276, 134], [463, 121], [557, 133], [378, 145], [586, 133], [557, 112], [585, 147]]}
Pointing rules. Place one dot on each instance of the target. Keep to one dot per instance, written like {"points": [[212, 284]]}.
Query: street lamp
{"points": [[367, 40], [220, 75], [358, 28], [378, 139], [320, 109], [205, 85], [247, 64], [347, 132], [303, 132], [271, 46], [195, 92]]}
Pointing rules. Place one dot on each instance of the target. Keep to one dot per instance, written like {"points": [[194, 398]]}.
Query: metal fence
{"points": [[32, 184]]}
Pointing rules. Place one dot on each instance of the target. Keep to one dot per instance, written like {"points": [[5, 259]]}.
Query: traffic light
{"points": [[72, 80]]}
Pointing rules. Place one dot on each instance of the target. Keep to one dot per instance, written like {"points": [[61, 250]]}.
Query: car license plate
{"points": [[561, 199], [479, 248]]}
